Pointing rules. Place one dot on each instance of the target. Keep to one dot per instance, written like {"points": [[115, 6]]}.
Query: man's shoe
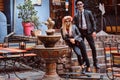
{"points": [[88, 75], [83, 71], [88, 69], [97, 66]]}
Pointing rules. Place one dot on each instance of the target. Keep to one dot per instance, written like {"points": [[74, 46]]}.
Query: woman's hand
{"points": [[94, 34], [72, 41]]}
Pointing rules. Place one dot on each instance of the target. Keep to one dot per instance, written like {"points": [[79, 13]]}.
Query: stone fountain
{"points": [[50, 52]]}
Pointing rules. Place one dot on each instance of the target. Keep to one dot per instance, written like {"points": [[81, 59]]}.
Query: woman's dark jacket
{"points": [[75, 34]]}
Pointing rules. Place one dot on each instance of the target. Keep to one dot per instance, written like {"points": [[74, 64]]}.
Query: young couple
{"points": [[74, 31]]}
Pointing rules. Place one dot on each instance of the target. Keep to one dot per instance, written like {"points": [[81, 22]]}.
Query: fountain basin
{"points": [[50, 55], [49, 40], [51, 52]]}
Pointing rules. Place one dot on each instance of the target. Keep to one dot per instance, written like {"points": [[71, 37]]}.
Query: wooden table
{"points": [[14, 54]]}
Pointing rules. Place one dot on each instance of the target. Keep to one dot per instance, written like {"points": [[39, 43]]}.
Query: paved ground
{"points": [[37, 75], [27, 75]]}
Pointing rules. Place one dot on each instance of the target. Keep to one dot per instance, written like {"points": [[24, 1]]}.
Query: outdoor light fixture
{"points": [[22, 45], [66, 5]]}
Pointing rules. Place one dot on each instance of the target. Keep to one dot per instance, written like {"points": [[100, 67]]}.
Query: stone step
{"points": [[93, 70], [100, 51], [90, 57], [97, 49], [98, 44], [101, 65], [101, 61], [87, 76]]}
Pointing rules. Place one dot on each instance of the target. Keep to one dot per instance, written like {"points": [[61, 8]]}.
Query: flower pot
{"points": [[28, 27], [36, 32]]}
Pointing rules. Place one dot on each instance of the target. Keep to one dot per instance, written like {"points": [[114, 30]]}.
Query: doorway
{"points": [[59, 9]]}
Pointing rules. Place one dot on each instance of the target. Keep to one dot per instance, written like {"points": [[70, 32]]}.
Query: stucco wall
{"points": [[43, 13]]}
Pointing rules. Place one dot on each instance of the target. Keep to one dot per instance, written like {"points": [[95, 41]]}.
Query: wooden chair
{"points": [[110, 48], [115, 68]]}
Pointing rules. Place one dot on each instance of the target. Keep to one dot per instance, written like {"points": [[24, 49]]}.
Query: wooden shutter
{"points": [[1, 5]]}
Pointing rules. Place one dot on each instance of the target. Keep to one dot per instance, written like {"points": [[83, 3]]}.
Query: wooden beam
{"points": [[1, 5], [73, 8]]}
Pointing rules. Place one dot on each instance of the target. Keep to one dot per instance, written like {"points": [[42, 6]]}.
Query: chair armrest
{"points": [[6, 37]]}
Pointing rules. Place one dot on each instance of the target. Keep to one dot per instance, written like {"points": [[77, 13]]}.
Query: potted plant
{"points": [[29, 17], [36, 31]]}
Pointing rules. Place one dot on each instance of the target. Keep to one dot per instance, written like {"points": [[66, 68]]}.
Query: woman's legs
{"points": [[79, 57], [78, 53], [84, 53]]}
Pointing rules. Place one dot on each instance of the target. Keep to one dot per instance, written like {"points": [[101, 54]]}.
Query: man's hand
{"points": [[72, 41]]}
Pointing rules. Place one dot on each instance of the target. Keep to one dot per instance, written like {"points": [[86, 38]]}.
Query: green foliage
{"points": [[28, 13]]}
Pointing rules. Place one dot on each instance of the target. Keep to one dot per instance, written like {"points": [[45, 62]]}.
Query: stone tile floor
{"points": [[23, 75], [37, 75]]}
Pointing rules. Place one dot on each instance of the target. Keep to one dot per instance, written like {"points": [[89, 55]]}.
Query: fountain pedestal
{"points": [[50, 55]]}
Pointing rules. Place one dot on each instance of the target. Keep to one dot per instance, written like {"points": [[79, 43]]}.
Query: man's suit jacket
{"points": [[90, 22]]}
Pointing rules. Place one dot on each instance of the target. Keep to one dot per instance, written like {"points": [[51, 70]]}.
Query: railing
{"points": [[9, 35]]}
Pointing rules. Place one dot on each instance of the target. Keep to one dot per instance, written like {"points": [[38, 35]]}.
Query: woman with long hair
{"points": [[72, 37]]}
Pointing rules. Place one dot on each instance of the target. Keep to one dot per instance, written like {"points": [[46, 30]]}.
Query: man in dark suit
{"points": [[84, 20]]}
